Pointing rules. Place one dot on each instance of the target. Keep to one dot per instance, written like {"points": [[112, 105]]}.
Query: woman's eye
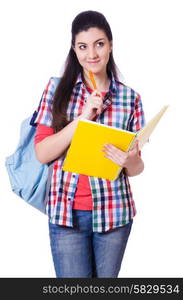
{"points": [[100, 44], [82, 47]]}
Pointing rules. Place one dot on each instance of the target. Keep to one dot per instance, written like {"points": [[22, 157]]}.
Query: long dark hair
{"points": [[82, 22]]}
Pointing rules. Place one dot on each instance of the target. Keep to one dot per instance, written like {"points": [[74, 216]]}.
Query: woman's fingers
{"points": [[93, 105], [136, 144], [135, 149], [97, 103], [116, 155]]}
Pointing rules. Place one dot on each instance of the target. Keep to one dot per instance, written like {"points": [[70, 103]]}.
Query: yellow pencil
{"points": [[92, 80]]}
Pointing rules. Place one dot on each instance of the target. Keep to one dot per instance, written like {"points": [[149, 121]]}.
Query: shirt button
{"points": [[69, 199], [73, 176]]}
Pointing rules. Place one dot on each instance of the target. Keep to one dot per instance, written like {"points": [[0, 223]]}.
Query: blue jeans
{"points": [[79, 252]]}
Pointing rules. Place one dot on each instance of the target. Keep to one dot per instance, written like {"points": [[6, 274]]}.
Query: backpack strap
{"points": [[32, 121]]}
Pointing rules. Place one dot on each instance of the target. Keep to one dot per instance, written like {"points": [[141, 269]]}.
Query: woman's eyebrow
{"points": [[94, 42]]}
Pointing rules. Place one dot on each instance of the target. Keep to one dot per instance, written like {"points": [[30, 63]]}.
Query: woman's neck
{"points": [[102, 81]]}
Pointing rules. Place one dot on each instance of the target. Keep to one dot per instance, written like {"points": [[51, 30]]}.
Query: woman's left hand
{"points": [[130, 160]]}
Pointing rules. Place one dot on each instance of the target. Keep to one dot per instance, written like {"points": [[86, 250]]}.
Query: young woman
{"points": [[89, 218]]}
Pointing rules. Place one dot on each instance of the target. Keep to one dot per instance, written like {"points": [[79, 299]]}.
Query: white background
{"points": [[148, 49]]}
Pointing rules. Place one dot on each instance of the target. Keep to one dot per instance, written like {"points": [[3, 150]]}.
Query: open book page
{"points": [[144, 134]]}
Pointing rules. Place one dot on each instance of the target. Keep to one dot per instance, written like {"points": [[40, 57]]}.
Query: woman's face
{"points": [[92, 49]]}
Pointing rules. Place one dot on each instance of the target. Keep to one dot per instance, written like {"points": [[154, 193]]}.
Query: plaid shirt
{"points": [[113, 204]]}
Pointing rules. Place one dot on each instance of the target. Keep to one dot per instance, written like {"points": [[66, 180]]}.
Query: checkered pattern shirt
{"points": [[113, 203]]}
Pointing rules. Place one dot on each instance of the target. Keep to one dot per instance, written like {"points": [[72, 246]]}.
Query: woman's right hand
{"points": [[93, 106]]}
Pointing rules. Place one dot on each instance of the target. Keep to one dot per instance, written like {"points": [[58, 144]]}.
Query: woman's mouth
{"points": [[93, 62]]}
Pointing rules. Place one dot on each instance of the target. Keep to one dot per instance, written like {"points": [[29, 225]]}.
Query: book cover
{"points": [[85, 155]]}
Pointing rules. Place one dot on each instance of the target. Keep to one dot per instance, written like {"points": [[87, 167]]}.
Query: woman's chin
{"points": [[97, 70]]}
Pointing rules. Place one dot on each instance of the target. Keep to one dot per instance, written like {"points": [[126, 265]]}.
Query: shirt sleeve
{"points": [[138, 119], [44, 111], [42, 131]]}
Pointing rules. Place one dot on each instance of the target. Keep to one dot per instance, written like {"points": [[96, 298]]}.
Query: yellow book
{"points": [[85, 155]]}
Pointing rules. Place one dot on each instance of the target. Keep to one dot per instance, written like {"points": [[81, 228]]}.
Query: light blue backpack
{"points": [[29, 179]]}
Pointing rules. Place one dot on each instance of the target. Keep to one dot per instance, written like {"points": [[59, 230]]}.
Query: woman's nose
{"points": [[92, 53]]}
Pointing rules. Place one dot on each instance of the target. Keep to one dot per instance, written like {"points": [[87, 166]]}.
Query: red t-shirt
{"points": [[83, 197]]}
